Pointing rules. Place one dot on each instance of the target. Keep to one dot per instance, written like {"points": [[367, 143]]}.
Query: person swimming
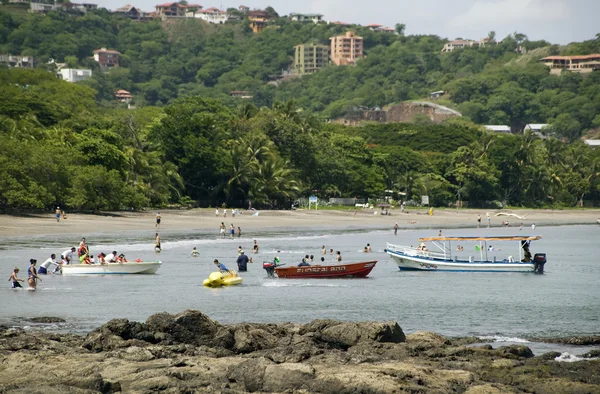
{"points": [[195, 252]]}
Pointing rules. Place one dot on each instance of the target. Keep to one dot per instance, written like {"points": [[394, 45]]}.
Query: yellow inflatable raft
{"points": [[218, 279]]}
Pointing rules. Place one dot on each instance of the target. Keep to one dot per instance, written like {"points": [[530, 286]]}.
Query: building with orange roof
{"points": [[578, 63], [107, 58], [346, 49], [212, 15], [374, 27], [123, 96]]}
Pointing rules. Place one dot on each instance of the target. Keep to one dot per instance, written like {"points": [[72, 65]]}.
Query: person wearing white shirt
{"points": [[111, 257], [46, 264], [68, 255]]}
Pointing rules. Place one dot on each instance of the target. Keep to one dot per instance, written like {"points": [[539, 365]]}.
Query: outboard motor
{"points": [[269, 266], [539, 259]]}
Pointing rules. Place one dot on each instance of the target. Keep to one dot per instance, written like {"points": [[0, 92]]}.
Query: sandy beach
{"points": [[200, 219]]}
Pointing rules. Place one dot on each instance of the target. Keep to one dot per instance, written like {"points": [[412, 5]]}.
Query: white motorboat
{"points": [[484, 258], [131, 267]]}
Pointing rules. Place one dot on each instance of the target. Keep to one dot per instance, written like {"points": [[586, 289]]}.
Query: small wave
{"points": [[571, 358], [500, 338]]}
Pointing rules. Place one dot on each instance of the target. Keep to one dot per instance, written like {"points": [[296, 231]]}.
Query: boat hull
{"points": [[417, 263], [354, 270], [112, 268]]}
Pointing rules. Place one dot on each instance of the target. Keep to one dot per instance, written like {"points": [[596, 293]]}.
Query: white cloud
{"points": [[496, 13]]}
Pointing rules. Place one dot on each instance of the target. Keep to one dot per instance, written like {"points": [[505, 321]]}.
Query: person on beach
{"points": [[157, 247], [231, 231], [195, 252], [239, 232], [242, 262], [64, 215], [57, 214], [68, 255], [489, 219], [396, 228], [478, 221], [217, 212], [323, 250], [14, 278], [338, 258], [255, 247], [157, 220], [222, 230], [46, 264], [32, 275], [224, 212]]}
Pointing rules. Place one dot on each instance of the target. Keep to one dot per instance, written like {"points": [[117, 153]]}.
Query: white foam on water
{"points": [[571, 358], [500, 338]]}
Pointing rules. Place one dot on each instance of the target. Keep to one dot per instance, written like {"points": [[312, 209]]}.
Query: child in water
{"points": [[14, 277], [195, 252]]}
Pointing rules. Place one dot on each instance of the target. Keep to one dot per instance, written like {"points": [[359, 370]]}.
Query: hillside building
{"points": [[74, 74], [123, 96], [582, 63], [17, 61], [211, 15], [309, 58], [107, 58], [346, 49], [315, 18]]}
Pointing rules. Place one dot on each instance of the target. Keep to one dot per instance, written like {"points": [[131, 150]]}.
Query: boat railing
{"points": [[416, 251]]}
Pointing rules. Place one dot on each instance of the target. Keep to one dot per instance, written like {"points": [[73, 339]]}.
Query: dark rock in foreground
{"points": [[190, 353]]}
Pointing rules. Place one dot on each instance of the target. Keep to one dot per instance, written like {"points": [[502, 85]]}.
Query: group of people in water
{"points": [[52, 265], [232, 231]]}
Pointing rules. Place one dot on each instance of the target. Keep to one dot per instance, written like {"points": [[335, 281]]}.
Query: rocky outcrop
{"points": [[189, 352]]}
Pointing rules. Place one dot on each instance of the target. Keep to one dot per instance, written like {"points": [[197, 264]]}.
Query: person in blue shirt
{"points": [[221, 266], [242, 262], [304, 263]]}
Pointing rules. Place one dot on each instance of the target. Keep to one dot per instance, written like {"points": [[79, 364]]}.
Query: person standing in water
{"points": [[338, 258], [157, 247], [323, 250], [239, 232], [46, 264], [255, 247], [32, 275], [231, 231], [195, 252], [14, 278], [396, 228], [222, 230]]}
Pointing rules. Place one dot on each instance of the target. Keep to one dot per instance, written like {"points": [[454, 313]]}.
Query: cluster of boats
{"points": [[443, 258]]}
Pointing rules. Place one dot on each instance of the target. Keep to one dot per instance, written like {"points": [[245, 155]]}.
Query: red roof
{"points": [[374, 25], [193, 6], [122, 91], [166, 5]]}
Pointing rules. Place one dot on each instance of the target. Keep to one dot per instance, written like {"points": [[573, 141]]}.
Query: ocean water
{"points": [[564, 301]]}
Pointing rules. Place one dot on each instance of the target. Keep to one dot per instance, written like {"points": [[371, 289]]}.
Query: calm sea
{"points": [[505, 306]]}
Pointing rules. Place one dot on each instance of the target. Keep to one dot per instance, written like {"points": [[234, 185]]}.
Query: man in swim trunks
{"points": [[157, 220], [68, 255], [57, 213], [46, 264]]}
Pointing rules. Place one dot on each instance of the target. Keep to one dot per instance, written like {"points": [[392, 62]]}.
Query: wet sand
{"points": [[202, 219]]}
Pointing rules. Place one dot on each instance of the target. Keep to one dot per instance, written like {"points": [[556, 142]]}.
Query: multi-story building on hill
{"points": [[315, 18], [580, 63], [309, 58], [17, 61], [107, 58], [346, 49]]}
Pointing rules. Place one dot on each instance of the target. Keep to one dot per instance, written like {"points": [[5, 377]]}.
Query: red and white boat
{"points": [[352, 270]]}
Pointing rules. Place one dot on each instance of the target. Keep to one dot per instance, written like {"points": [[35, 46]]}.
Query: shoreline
{"points": [[204, 219], [189, 352]]}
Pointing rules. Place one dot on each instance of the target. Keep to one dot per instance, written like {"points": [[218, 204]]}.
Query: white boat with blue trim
{"points": [[131, 267], [484, 259]]}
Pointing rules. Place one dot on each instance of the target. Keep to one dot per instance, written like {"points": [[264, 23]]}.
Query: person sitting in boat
{"points": [[83, 248], [459, 248], [111, 257], [121, 258], [101, 258], [304, 263], [422, 247]]}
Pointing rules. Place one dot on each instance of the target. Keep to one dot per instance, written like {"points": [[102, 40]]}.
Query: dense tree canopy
{"points": [[72, 145]]}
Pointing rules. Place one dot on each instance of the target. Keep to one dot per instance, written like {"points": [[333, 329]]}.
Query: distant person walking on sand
{"points": [[217, 212], [157, 247], [57, 214], [489, 219], [224, 212], [478, 221], [157, 220], [255, 247], [396, 228], [14, 278], [32, 275]]}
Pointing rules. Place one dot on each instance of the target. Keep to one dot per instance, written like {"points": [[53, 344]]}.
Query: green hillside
{"points": [[190, 142]]}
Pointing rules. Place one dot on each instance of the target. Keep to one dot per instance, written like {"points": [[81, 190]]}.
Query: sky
{"points": [[556, 21]]}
